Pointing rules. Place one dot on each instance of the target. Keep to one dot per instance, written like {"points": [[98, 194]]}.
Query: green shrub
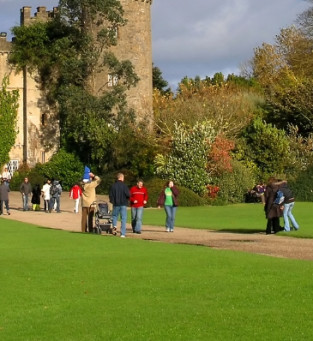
{"points": [[302, 185], [233, 186], [108, 179], [64, 167], [187, 160], [186, 196], [34, 175]]}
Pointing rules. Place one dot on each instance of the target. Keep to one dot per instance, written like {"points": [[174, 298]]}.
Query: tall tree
{"points": [[8, 119], [68, 52], [285, 70]]}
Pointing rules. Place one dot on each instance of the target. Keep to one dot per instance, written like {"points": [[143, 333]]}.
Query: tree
{"points": [[228, 106], [8, 120], [264, 148], [159, 82], [67, 52], [285, 70]]}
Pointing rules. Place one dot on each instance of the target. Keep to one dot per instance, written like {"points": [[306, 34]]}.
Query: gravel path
{"points": [[271, 245]]}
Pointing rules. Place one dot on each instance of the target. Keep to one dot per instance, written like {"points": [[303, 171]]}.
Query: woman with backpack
{"points": [[288, 203]]}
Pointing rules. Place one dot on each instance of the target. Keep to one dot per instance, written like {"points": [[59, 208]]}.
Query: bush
{"points": [[302, 186], [109, 178], [234, 185], [186, 196], [65, 167], [34, 175]]}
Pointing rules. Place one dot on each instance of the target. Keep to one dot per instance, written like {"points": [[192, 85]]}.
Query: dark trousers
{"points": [[87, 219], [6, 203], [272, 225]]}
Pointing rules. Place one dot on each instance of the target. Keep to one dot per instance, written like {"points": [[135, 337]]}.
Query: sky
{"points": [[198, 37]]}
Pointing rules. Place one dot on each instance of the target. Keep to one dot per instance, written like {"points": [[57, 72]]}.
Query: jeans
{"points": [[52, 201], [170, 216], [25, 202], [136, 213], [288, 213], [120, 211]]}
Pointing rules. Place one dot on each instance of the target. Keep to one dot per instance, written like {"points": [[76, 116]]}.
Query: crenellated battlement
{"points": [[41, 15]]}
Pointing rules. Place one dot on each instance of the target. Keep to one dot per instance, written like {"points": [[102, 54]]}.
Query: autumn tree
{"points": [[284, 69]]}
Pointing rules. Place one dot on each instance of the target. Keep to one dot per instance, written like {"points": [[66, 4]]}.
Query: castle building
{"points": [[38, 129]]}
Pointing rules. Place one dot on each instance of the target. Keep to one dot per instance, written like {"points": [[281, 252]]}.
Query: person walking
{"points": [[25, 189], [55, 196], [169, 199], [138, 199], [6, 176], [88, 198], [119, 196], [288, 204], [4, 197], [36, 192], [45, 193], [75, 194]]}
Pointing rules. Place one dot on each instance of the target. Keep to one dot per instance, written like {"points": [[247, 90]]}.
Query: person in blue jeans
{"points": [[119, 195], [288, 204], [26, 190], [169, 199], [138, 199]]}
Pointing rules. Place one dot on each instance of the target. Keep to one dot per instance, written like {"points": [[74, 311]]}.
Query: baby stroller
{"points": [[103, 218]]}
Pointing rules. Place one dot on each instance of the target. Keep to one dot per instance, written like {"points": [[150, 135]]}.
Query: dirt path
{"points": [[271, 245]]}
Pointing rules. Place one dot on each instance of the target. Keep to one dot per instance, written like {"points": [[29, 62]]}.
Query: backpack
{"points": [[53, 190], [279, 197]]}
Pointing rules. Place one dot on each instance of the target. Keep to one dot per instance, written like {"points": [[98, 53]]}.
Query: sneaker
{"points": [[171, 230], [167, 230], [123, 236], [138, 232], [114, 232]]}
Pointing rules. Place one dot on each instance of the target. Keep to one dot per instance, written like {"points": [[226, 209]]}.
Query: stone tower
{"points": [[134, 44], [35, 119]]}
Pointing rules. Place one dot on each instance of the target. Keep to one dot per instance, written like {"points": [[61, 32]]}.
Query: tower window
{"points": [[112, 80]]}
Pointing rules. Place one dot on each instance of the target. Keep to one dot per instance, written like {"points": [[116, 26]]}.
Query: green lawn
{"points": [[58, 285]]}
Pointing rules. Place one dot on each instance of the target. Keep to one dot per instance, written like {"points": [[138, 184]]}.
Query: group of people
{"points": [[120, 195], [50, 193], [279, 201]]}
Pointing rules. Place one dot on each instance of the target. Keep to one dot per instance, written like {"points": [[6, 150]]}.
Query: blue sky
{"points": [[198, 37]]}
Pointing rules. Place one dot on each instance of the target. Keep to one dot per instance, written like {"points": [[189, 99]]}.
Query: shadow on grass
{"points": [[242, 231]]}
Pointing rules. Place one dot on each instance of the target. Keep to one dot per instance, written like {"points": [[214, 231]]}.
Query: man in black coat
{"points": [[119, 196]]}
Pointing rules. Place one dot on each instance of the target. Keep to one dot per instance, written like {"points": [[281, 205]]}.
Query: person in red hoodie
{"points": [[138, 199], [75, 194]]}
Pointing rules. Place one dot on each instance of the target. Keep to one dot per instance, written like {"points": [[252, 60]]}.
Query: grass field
{"points": [[58, 285]]}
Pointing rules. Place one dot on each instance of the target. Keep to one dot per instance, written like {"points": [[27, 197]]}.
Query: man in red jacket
{"points": [[138, 199]]}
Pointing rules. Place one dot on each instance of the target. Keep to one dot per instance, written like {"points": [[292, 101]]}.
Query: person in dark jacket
{"points": [[36, 193], [119, 196], [272, 211], [288, 203], [25, 189], [4, 197], [169, 199]]}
